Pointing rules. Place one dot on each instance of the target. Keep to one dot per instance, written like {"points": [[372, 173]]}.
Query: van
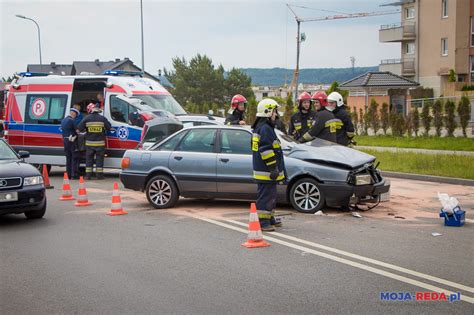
{"points": [[36, 104]]}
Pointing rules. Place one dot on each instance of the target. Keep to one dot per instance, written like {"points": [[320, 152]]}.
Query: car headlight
{"points": [[33, 180], [363, 179]]}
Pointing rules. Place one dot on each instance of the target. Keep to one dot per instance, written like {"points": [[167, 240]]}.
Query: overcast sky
{"points": [[260, 34]]}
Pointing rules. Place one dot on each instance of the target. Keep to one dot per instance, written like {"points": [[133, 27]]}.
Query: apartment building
{"points": [[435, 36]]}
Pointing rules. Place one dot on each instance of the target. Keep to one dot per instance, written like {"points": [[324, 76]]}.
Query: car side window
{"points": [[123, 112], [235, 142], [171, 143], [198, 140], [45, 109]]}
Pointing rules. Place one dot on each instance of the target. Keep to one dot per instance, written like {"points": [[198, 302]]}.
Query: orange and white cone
{"points": [[116, 208], [67, 194], [47, 183], [255, 236], [82, 194]]}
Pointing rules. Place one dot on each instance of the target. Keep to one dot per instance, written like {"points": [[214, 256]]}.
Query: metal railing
{"points": [[390, 61], [390, 26]]}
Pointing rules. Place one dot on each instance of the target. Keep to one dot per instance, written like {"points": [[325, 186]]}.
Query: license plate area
{"points": [[8, 196]]}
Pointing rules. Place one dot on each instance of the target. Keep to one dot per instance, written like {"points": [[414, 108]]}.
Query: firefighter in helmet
{"points": [[236, 114], [345, 132], [268, 163], [303, 120], [95, 125]]}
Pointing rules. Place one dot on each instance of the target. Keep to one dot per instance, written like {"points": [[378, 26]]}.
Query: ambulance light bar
{"points": [[33, 74], [123, 72]]}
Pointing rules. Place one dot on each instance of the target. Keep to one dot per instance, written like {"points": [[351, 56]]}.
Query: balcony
{"points": [[408, 67], [403, 67], [397, 32]]}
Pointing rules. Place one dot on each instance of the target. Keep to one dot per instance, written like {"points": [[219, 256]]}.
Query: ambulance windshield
{"points": [[163, 102]]}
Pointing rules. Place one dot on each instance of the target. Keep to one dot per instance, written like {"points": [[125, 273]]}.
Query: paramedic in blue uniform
{"points": [[95, 125], [68, 128], [268, 164]]}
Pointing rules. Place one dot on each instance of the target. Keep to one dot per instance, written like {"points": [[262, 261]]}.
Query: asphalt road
{"points": [[190, 259]]}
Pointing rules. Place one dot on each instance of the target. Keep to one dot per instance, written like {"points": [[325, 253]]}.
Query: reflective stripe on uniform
{"points": [[307, 137], [88, 169], [333, 125], [276, 144], [266, 175], [271, 162], [91, 143], [350, 134], [297, 126], [255, 141], [267, 154], [263, 214]]}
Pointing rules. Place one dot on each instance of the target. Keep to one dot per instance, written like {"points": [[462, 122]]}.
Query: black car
{"points": [[21, 185]]}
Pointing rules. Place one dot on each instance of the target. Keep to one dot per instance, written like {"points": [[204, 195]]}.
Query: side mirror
{"points": [[24, 154]]}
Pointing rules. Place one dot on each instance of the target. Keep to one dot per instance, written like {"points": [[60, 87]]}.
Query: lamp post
{"points": [[39, 34], [143, 45]]}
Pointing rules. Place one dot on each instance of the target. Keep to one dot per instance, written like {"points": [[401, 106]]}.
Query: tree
{"points": [[355, 119], [450, 123], [373, 116], [452, 76], [464, 112], [362, 122], [438, 116], [385, 118], [335, 88], [426, 117], [251, 110], [397, 124], [408, 124], [8, 79], [288, 108], [237, 82], [366, 122], [415, 120]]}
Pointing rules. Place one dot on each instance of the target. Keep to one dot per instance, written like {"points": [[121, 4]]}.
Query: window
{"points": [[444, 46], [6, 153], [410, 48], [45, 109], [235, 142], [472, 31], [472, 69], [444, 8], [163, 102], [122, 111], [410, 13], [198, 140], [171, 143]]}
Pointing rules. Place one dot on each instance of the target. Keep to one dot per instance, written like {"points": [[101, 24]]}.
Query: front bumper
{"points": [[30, 198], [341, 194]]}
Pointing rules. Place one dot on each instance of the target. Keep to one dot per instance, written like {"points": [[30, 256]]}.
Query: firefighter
{"points": [[236, 114], [319, 100], [268, 164], [303, 120], [95, 126], [345, 132], [325, 124], [68, 129]]}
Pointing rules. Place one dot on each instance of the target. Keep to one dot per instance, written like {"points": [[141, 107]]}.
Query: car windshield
{"points": [[163, 102], [6, 153]]}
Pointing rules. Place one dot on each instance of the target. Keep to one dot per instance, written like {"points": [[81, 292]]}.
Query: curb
{"points": [[429, 178], [414, 150]]}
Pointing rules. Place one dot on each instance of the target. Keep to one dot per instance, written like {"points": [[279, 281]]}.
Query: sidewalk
{"points": [[411, 150]]}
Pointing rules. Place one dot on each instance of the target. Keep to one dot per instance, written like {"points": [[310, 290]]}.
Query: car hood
{"points": [[15, 168], [326, 152]]}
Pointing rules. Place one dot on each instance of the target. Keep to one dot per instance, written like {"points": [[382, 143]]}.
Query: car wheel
{"points": [[161, 192], [36, 214], [306, 196]]}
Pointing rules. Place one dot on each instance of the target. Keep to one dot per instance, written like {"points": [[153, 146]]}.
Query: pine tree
{"points": [[374, 116], [361, 121], [288, 109], [450, 123], [438, 116], [415, 120], [426, 117], [355, 119], [385, 118], [464, 112]]}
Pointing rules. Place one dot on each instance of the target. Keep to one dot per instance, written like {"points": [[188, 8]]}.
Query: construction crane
{"points": [[340, 16]]}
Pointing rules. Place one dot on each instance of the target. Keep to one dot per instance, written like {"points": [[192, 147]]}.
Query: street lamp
{"points": [[39, 35], [143, 45]]}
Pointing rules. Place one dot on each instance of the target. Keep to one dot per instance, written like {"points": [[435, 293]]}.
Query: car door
{"points": [[234, 163], [194, 161]]}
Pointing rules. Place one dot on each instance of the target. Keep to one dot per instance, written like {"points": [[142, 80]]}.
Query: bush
{"points": [[355, 119], [464, 112], [467, 88], [450, 123], [452, 76], [426, 117], [438, 116], [385, 118], [373, 116], [415, 120], [361, 122], [397, 123]]}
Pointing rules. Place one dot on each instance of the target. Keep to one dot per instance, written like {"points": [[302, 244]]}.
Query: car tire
{"points": [[161, 192], [306, 196], [36, 214]]}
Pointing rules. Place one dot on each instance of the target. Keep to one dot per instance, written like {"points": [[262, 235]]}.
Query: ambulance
{"points": [[36, 103]]}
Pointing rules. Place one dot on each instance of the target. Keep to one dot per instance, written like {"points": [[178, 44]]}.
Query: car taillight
{"points": [[144, 130], [125, 163], [147, 116]]}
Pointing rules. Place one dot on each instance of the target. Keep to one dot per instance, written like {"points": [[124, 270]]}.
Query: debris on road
{"points": [[356, 214], [436, 234], [320, 213], [399, 217]]}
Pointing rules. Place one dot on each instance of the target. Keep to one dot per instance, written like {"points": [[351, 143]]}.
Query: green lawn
{"points": [[435, 143], [428, 164]]}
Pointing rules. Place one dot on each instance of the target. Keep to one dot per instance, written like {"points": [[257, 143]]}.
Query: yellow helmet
{"points": [[266, 107]]}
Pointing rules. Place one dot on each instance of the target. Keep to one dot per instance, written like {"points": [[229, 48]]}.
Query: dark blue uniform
{"points": [[68, 127], [268, 168]]}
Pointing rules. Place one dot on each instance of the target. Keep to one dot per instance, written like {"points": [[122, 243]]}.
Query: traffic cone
{"points": [[47, 184], [67, 194], [255, 236], [82, 195], [116, 208]]}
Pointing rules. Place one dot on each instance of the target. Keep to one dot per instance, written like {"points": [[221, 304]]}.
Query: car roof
{"points": [[221, 127]]}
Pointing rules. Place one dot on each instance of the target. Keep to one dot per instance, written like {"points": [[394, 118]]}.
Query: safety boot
{"points": [[276, 222], [266, 226]]}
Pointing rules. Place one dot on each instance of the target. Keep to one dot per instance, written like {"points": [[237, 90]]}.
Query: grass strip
{"points": [[447, 165], [433, 143]]}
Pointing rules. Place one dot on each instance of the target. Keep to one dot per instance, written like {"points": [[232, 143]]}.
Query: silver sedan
{"points": [[216, 162]]}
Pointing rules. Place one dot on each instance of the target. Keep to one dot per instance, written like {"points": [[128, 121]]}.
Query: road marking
{"points": [[369, 260], [469, 220], [339, 259]]}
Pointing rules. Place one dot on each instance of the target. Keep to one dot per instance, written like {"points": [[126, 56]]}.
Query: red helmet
{"points": [[321, 97], [305, 96], [90, 107], [238, 99]]}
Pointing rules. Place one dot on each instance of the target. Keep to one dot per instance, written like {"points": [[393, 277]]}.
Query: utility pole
{"points": [[353, 61], [143, 44]]}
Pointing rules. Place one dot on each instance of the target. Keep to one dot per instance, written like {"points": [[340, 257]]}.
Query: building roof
{"points": [[97, 66], [51, 68], [377, 79], [401, 2]]}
